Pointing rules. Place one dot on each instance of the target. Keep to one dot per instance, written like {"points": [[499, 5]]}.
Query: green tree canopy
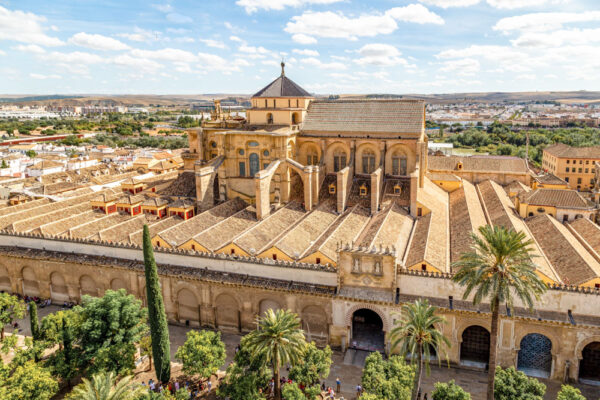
{"points": [[27, 380], [449, 391], [515, 385], [110, 328], [568, 392], [313, 366], [246, 376], [281, 340], [387, 379], [11, 308], [203, 353], [51, 327], [104, 386], [291, 391]]}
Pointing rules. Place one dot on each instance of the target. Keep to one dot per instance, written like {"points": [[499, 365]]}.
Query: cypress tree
{"points": [[159, 330], [33, 320]]}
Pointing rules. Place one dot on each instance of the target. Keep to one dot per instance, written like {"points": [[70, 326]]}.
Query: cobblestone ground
{"points": [[472, 381]]}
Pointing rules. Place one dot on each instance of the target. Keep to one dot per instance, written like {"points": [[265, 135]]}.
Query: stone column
{"points": [[307, 183], [263, 202], [342, 189], [376, 178], [205, 178], [413, 194], [315, 184]]}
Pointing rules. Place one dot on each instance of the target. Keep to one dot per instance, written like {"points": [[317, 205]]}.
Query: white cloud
{"points": [[25, 27], [449, 3], [177, 18], [303, 39], [75, 62], [317, 63], [512, 4], [306, 52], [235, 39], [462, 67], [163, 7], [213, 43], [168, 54], [40, 76], [254, 5], [2, 53], [137, 63], [184, 39], [254, 50], [213, 61], [30, 48], [379, 54], [557, 38], [337, 25], [178, 31], [139, 35], [541, 22], [97, 42]]}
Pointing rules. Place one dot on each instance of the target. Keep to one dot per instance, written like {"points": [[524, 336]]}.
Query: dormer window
{"points": [[331, 188], [363, 190], [397, 189], [459, 165]]}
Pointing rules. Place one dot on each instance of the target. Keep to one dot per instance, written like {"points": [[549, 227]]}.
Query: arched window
{"points": [[269, 118], [399, 164], [368, 162], [311, 157], [294, 118], [254, 164], [339, 161]]}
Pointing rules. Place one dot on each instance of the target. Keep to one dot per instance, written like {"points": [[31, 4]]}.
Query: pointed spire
{"points": [[282, 68]]}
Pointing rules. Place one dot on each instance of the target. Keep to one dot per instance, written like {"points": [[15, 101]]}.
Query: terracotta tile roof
{"points": [[182, 203], [282, 87], [47, 165], [440, 176], [298, 239], [155, 202], [62, 225], [477, 163], [120, 232], [389, 228], [562, 198], [501, 211], [344, 230], [562, 150], [91, 228], [549, 179], [227, 230], [262, 235], [431, 237], [137, 237], [588, 231], [573, 263], [364, 116], [516, 187], [181, 233], [128, 199], [183, 186], [36, 220], [24, 206], [466, 216]]}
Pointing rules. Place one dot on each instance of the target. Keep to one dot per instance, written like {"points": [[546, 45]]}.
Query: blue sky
{"points": [[330, 46]]}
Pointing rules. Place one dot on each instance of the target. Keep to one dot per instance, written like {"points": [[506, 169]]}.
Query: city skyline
{"points": [[329, 46]]}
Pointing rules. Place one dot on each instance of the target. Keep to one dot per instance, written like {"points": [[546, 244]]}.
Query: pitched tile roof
{"points": [[227, 230], [573, 263], [588, 231], [549, 179], [365, 116], [477, 163], [466, 216], [154, 228], [562, 150], [563, 198], [282, 87]]}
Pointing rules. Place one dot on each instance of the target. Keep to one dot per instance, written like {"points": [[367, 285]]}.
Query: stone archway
{"points": [[59, 292], [267, 304], [475, 346], [87, 286], [367, 331], [30, 282], [4, 280], [188, 308], [227, 312], [118, 283], [535, 355], [314, 323], [589, 364]]}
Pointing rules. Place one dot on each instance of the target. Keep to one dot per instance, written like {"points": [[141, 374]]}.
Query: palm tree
{"points": [[104, 386], [418, 334], [499, 267], [280, 339]]}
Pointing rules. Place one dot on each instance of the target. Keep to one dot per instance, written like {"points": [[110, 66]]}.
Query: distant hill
{"points": [[148, 100]]}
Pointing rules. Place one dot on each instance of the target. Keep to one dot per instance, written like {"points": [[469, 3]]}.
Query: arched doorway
{"points": [[30, 283], [187, 306], [87, 286], [475, 347], [535, 355], [227, 312], [117, 284], [58, 288], [4, 279], [314, 323], [268, 304], [589, 366], [367, 331]]}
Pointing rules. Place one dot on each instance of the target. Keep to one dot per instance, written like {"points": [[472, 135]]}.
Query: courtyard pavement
{"points": [[472, 381]]}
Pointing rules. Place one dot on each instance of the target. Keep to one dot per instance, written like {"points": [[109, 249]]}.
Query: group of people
{"points": [[194, 390]]}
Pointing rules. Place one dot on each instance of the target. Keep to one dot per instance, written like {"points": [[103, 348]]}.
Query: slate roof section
{"points": [[282, 87], [562, 150], [365, 116], [562, 198], [477, 163]]}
